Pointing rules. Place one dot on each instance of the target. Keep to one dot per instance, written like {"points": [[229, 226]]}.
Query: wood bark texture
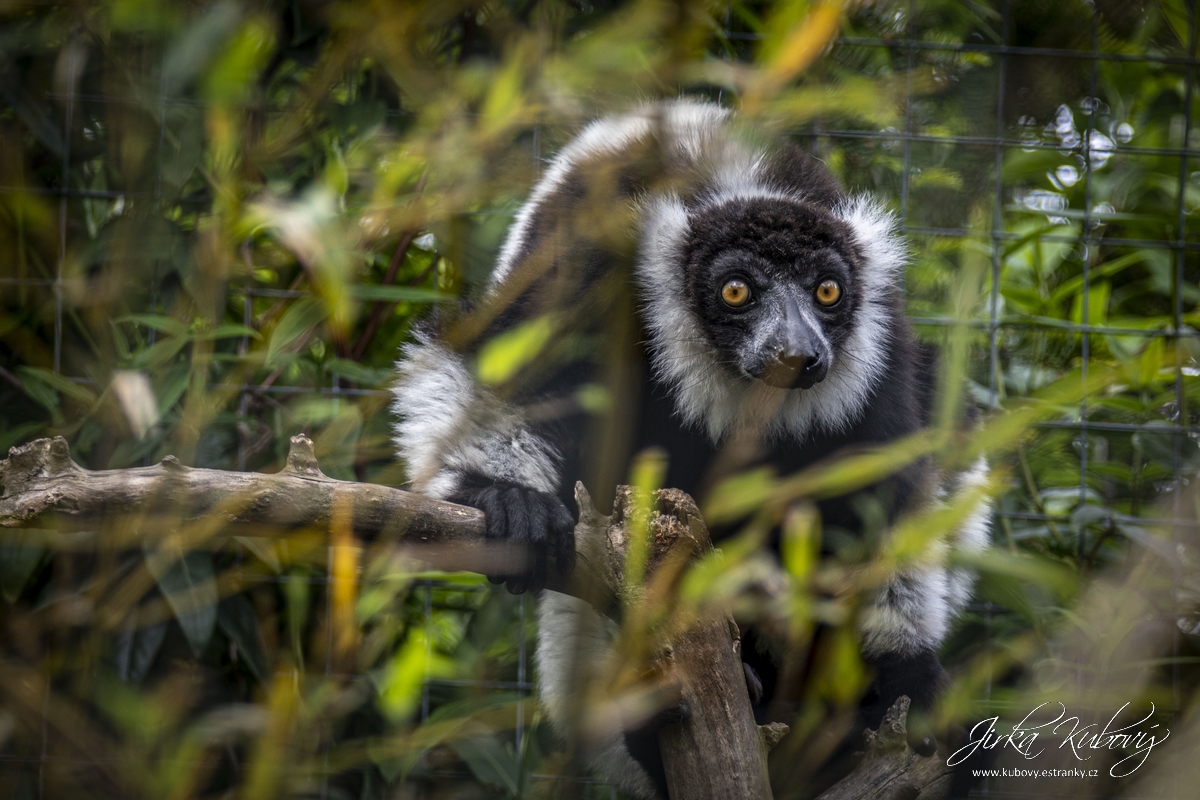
{"points": [[719, 751]]}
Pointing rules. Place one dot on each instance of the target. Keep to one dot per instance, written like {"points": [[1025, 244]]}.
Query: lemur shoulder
{"points": [[713, 286]]}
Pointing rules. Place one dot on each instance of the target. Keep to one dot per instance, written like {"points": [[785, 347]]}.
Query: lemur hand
{"points": [[524, 516]]}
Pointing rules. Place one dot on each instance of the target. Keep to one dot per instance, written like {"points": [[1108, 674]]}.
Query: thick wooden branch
{"points": [[43, 487], [41, 482], [718, 752]]}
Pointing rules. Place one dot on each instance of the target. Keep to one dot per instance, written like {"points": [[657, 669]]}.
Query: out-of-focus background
{"points": [[219, 220]]}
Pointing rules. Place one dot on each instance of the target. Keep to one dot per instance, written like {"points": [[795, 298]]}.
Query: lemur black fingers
{"points": [[539, 541], [535, 520], [488, 501], [516, 509]]}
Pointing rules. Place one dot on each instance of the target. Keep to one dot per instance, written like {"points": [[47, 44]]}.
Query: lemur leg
{"points": [[573, 640], [910, 617], [902, 631]]}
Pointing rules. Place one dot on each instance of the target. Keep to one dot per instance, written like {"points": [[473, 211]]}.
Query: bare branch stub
{"points": [[890, 769]]}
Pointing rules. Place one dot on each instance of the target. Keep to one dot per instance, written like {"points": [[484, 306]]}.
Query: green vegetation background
{"points": [[218, 222]]}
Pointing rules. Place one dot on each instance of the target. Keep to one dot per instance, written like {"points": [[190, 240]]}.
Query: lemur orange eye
{"points": [[735, 293], [828, 293]]}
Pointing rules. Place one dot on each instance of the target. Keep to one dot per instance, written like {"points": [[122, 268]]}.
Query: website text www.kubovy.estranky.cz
{"points": [[1035, 773]]}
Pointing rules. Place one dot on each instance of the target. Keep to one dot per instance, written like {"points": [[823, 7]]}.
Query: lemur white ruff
{"points": [[722, 289]]}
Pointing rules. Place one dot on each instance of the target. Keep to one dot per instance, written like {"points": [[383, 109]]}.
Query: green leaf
{"points": [[237, 619], [415, 662], [198, 42], [160, 353], [1097, 304], [1073, 286], [18, 434], [1150, 362], [296, 321], [42, 394], [1059, 578], [396, 294], [229, 332], [1163, 446], [20, 555], [158, 322], [182, 152], [296, 590], [70, 388], [186, 581], [264, 548], [232, 74], [1023, 300], [358, 373], [137, 647], [172, 385], [740, 495], [491, 761], [504, 355]]}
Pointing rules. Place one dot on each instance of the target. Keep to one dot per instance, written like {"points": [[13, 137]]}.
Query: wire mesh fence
{"points": [[1052, 151]]}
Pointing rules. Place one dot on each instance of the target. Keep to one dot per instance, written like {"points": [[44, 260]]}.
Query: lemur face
{"points": [[775, 284]]}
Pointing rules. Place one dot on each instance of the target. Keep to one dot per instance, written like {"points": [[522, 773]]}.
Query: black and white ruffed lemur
{"points": [[720, 287]]}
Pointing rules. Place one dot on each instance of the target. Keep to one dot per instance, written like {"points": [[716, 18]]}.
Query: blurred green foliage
{"points": [[219, 221]]}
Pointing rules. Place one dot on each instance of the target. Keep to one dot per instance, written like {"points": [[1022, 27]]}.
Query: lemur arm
{"points": [[473, 442]]}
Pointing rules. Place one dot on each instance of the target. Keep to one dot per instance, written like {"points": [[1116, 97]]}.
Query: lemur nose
{"points": [[795, 368], [814, 372], [794, 362], [799, 370]]}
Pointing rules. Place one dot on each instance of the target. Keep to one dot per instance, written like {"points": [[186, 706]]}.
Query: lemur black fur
{"points": [[626, 249]]}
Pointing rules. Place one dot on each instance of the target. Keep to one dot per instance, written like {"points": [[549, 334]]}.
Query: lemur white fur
{"points": [[449, 424]]}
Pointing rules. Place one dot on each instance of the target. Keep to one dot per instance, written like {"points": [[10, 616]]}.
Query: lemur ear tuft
{"points": [[878, 238]]}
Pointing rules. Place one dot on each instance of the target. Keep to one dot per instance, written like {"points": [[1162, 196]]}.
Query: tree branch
{"points": [[43, 487], [707, 660]]}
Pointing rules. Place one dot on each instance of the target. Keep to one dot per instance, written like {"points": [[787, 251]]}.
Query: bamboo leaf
{"points": [[187, 582], [158, 322], [20, 555], [395, 294], [136, 648], [304, 315], [238, 621], [503, 356]]}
